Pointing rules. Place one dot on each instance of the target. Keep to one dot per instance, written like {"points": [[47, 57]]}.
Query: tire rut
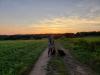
{"points": [[41, 64]]}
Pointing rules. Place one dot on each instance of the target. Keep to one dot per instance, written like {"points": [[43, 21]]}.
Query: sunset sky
{"points": [[49, 16]]}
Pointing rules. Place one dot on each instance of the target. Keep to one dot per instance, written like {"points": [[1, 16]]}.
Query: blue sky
{"points": [[23, 14]]}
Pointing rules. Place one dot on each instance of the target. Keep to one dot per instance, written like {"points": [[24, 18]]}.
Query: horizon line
{"points": [[48, 33]]}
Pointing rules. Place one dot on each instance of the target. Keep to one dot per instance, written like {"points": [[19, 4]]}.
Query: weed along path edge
{"points": [[41, 64]]}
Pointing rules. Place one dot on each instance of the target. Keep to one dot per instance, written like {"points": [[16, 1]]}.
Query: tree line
{"points": [[41, 36]]}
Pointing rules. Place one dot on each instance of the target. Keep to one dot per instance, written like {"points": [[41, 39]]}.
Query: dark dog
{"points": [[61, 53]]}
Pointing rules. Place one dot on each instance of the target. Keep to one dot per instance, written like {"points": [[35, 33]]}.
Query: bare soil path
{"points": [[74, 67], [40, 66]]}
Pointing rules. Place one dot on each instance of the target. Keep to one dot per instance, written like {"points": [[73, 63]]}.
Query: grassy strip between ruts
{"points": [[17, 56], [86, 50], [56, 66]]}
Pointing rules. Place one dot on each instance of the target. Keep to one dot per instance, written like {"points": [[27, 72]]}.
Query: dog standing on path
{"points": [[61, 53]]}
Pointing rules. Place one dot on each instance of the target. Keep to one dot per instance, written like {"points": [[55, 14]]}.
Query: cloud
{"points": [[66, 24]]}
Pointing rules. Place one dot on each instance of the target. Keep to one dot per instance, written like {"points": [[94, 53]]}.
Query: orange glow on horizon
{"points": [[55, 25]]}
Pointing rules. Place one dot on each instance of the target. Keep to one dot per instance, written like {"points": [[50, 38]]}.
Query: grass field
{"points": [[17, 56], [89, 39], [86, 50]]}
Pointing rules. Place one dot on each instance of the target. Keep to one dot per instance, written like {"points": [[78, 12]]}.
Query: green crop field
{"points": [[89, 39], [85, 49], [17, 56]]}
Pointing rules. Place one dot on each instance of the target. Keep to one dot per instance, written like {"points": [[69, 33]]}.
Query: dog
{"points": [[61, 53]]}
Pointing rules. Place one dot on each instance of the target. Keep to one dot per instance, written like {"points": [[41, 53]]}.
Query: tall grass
{"points": [[17, 56], [86, 50]]}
